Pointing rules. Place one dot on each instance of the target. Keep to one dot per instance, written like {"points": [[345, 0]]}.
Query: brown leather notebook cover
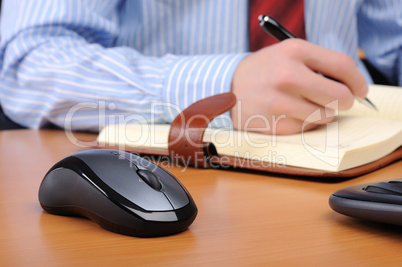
{"points": [[190, 144]]}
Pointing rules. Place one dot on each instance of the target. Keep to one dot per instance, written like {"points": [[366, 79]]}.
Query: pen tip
{"points": [[371, 104], [367, 103]]}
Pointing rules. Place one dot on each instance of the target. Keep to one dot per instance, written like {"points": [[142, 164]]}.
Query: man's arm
{"points": [[60, 59]]}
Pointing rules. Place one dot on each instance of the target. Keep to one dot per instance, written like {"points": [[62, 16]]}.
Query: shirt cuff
{"points": [[192, 78]]}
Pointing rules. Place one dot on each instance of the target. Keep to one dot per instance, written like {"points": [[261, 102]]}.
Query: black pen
{"points": [[274, 28]]}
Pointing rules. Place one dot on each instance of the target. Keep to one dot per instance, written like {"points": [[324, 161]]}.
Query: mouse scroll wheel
{"points": [[150, 179]]}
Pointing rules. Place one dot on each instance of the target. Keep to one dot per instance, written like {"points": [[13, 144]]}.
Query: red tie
{"points": [[289, 13]]}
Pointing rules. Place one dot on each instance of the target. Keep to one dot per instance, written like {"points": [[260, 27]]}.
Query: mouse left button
{"points": [[150, 179], [59, 188]]}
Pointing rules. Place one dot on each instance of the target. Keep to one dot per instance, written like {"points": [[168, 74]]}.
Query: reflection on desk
{"points": [[244, 218]]}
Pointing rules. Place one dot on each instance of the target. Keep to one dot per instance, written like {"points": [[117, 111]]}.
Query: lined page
{"points": [[323, 148], [387, 99]]}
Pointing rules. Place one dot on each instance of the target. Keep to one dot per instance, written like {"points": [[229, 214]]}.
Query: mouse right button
{"points": [[178, 198], [173, 190]]}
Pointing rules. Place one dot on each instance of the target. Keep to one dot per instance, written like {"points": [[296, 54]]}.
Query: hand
{"points": [[278, 87]]}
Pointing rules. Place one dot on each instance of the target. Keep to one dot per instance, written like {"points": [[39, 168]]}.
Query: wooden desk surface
{"points": [[244, 219]]}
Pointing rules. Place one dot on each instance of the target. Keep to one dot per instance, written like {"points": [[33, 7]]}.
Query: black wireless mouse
{"points": [[121, 192], [379, 202]]}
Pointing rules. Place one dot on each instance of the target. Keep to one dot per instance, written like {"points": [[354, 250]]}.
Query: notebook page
{"points": [[387, 99]]}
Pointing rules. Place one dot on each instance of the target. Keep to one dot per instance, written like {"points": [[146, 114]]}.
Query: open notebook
{"points": [[356, 138]]}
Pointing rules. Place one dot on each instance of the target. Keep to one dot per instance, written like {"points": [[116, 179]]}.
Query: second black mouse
{"points": [[378, 202], [120, 191]]}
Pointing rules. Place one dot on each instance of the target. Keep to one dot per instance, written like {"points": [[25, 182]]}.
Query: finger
{"points": [[292, 126], [284, 115], [280, 126], [322, 91], [336, 65], [292, 107]]}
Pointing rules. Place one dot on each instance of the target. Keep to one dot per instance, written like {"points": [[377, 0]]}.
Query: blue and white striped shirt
{"points": [[96, 61]]}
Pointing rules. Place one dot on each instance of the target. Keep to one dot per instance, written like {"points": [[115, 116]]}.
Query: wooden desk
{"points": [[244, 219]]}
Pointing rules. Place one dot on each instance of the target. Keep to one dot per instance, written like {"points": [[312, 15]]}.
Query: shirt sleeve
{"points": [[60, 64], [380, 34]]}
